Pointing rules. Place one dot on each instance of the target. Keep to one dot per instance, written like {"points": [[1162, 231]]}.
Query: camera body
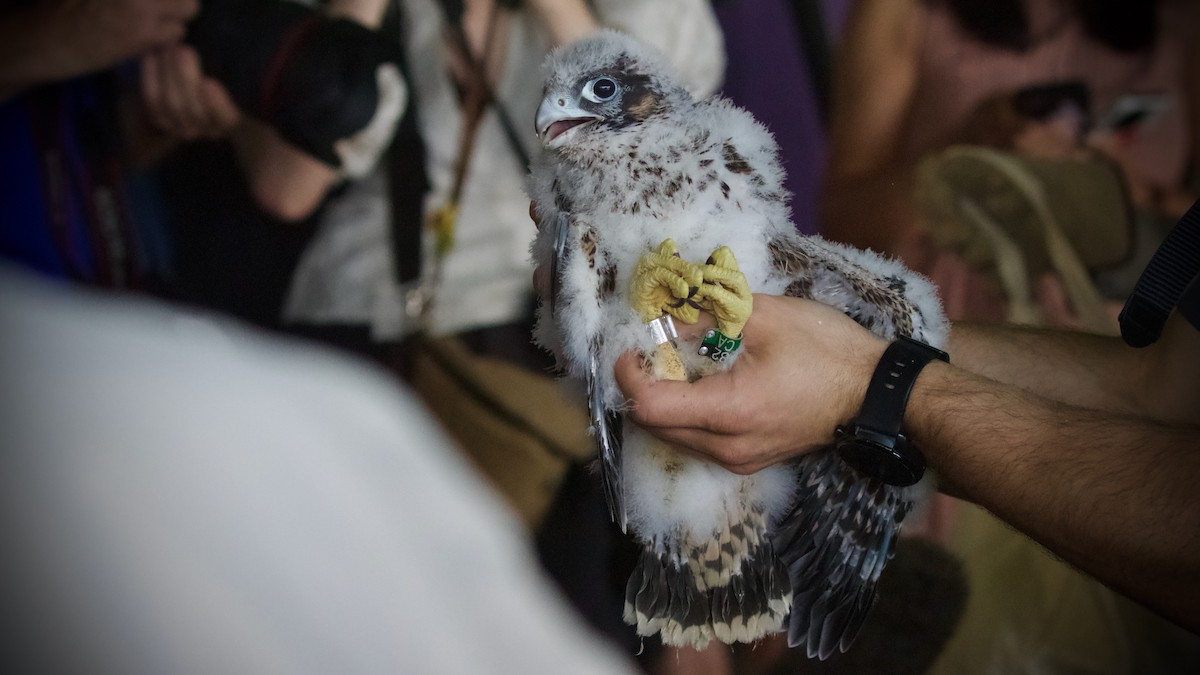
{"points": [[320, 81]]}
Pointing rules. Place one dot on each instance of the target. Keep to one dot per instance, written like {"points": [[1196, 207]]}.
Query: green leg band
{"points": [[718, 346]]}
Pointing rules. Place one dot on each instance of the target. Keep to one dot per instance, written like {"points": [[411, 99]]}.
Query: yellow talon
{"points": [[663, 282], [725, 293]]}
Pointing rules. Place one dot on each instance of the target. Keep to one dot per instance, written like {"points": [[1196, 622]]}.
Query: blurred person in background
{"points": [[104, 97], [242, 206], [916, 76], [75, 139], [476, 75]]}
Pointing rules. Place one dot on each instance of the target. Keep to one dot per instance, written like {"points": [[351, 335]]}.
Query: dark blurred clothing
{"points": [[73, 206]]}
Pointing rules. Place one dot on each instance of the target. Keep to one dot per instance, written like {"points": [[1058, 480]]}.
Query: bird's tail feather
{"points": [[662, 597], [732, 588]]}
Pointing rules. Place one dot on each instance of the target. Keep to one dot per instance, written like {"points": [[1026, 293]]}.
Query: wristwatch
{"points": [[873, 442]]}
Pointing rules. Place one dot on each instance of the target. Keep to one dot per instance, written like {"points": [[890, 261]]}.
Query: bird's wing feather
{"points": [[881, 294], [606, 426], [834, 543], [572, 245], [562, 227], [843, 525]]}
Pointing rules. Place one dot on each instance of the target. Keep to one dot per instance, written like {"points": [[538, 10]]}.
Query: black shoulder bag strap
{"points": [[407, 180], [1173, 267]]}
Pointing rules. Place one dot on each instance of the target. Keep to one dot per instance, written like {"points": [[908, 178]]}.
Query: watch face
{"points": [[900, 465], [874, 442]]}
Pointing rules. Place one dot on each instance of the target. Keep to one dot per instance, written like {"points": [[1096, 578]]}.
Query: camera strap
{"points": [[476, 95], [1173, 267], [281, 61]]}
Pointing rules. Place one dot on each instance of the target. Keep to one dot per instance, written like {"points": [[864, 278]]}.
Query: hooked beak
{"points": [[556, 116]]}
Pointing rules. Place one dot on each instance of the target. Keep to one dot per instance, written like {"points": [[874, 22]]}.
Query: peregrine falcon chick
{"points": [[642, 188]]}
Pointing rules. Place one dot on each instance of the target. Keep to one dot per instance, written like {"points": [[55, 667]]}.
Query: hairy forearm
{"points": [[1092, 371], [1161, 381], [1113, 494]]}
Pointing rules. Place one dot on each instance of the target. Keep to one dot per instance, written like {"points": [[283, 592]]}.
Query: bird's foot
{"points": [[725, 294], [663, 282]]}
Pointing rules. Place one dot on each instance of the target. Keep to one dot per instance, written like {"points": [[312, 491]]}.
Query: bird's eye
{"points": [[600, 90]]}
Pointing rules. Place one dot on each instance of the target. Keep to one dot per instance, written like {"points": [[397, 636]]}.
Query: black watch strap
{"points": [[873, 443]]}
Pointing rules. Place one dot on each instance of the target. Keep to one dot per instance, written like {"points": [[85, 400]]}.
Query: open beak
{"points": [[558, 115]]}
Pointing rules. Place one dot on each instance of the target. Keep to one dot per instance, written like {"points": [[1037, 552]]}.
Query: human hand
{"points": [[804, 371], [180, 100]]}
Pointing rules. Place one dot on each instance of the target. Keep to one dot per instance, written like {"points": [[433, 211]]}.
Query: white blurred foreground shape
{"points": [[181, 495]]}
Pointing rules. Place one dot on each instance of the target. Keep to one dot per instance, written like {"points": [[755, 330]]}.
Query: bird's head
{"points": [[606, 81]]}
